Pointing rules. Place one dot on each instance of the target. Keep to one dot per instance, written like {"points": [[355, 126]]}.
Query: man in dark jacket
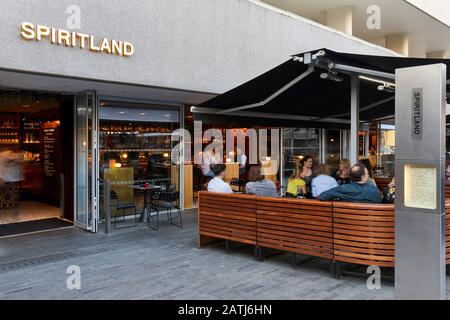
{"points": [[356, 191]]}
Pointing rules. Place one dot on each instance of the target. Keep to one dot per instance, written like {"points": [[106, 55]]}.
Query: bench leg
{"points": [[295, 261], [256, 252], [227, 246], [338, 270], [205, 240]]}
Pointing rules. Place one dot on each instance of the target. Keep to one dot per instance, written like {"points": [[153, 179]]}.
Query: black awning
{"points": [[313, 96]]}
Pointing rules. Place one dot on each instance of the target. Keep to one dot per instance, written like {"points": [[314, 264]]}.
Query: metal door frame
{"points": [[92, 193]]}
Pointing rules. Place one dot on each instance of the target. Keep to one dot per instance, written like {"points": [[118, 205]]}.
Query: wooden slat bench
{"points": [[447, 189], [364, 233], [227, 217], [297, 226]]}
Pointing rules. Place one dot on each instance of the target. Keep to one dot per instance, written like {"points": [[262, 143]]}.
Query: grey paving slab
{"points": [[139, 263]]}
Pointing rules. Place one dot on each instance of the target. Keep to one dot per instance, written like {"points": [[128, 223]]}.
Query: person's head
{"points": [[306, 162], [359, 174], [344, 166], [254, 173], [372, 149], [296, 173], [323, 169], [219, 170], [368, 165]]}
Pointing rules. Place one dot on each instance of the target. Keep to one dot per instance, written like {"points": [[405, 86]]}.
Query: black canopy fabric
{"points": [[313, 96]]}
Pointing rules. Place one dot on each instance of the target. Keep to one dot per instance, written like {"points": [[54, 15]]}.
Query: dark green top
{"points": [[353, 192]]}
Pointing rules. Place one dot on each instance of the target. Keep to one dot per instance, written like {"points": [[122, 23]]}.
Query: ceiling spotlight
{"points": [[330, 76], [35, 97]]}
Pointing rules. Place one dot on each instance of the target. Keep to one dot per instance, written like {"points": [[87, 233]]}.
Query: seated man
{"points": [[258, 185], [217, 184], [323, 182], [358, 190]]}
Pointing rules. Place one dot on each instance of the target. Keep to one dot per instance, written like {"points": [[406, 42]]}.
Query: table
{"points": [[145, 212]]}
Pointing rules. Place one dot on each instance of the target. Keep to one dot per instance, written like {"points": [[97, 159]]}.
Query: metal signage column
{"points": [[420, 181]]}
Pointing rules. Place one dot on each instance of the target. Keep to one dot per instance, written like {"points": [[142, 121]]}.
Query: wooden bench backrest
{"points": [[364, 234], [229, 217], [447, 190], [300, 226], [382, 183]]}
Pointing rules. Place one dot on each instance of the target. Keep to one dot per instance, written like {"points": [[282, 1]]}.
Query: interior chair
{"points": [[122, 206], [167, 199]]}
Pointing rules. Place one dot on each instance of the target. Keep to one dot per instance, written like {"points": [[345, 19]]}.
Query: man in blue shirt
{"points": [[358, 190]]}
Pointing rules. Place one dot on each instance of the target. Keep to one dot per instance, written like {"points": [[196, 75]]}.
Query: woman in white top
{"points": [[217, 184]]}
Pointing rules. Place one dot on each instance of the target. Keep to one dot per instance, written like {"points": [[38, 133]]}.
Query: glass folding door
{"points": [[86, 169]]}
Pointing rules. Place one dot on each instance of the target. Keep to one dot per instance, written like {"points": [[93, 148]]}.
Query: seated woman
{"points": [[368, 165], [258, 185], [296, 185], [323, 182], [342, 174]]}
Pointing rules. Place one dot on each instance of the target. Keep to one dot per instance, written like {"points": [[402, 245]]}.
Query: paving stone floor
{"points": [[139, 263]]}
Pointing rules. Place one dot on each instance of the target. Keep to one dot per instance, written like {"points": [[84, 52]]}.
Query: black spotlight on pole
{"points": [[331, 76], [35, 97]]}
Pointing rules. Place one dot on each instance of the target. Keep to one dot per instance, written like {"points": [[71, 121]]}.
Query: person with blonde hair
{"points": [[296, 185], [342, 175]]}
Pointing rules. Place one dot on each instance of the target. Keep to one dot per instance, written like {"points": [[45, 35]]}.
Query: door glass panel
{"points": [[81, 211], [135, 148], [296, 144], [333, 148], [85, 213]]}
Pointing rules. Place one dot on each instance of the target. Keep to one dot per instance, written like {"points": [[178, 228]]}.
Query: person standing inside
{"points": [[210, 158], [242, 160], [307, 173], [11, 173]]}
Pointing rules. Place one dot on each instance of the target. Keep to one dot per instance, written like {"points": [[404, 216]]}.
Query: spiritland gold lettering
{"points": [[29, 31]]}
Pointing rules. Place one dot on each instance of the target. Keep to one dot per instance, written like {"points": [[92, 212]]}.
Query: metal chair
{"points": [[122, 205], [165, 200]]}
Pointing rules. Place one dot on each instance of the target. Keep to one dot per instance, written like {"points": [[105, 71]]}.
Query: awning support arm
{"points": [[274, 95], [368, 107], [214, 111], [362, 71]]}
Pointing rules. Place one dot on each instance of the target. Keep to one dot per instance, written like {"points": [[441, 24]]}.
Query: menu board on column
{"points": [[50, 154]]}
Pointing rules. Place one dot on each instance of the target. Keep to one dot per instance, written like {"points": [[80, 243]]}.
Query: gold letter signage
{"points": [[29, 31]]}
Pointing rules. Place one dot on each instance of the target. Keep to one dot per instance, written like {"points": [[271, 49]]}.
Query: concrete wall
{"points": [[201, 45]]}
